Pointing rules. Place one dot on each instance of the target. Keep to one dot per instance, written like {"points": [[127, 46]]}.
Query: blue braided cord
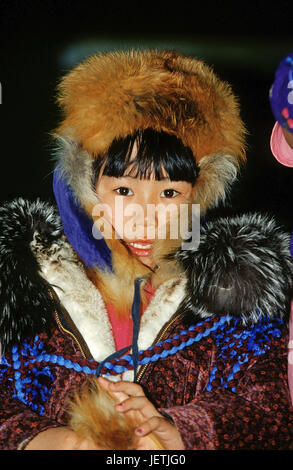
{"points": [[167, 352], [220, 328], [34, 391], [61, 361], [67, 363]]}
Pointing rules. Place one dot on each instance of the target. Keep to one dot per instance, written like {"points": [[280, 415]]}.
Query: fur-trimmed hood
{"points": [[113, 95], [247, 256]]}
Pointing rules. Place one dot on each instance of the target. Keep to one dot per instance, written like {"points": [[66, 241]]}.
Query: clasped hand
{"points": [[132, 400]]}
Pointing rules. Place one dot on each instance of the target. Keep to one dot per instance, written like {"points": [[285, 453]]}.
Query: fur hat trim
{"points": [[113, 95]]}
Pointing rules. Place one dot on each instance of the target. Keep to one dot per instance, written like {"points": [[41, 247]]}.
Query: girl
{"points": [[103, 295]]}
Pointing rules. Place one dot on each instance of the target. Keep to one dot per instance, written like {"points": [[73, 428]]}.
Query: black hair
{"points": [[156, 152]]}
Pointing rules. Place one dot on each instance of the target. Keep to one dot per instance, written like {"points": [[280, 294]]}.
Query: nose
{"points": [[145, 221]]}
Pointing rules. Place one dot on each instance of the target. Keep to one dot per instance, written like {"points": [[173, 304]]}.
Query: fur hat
{"points": [[115, 94]]}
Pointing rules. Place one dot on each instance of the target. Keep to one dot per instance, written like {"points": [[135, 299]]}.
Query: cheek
{"points": [[124, 216], [107, 200], [187, 192], [119, 218], [109, 212], [173, 206], [107, 203], [175, 215]]}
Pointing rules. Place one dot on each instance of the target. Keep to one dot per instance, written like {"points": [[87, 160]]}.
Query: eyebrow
{"points": [[135, 178]]}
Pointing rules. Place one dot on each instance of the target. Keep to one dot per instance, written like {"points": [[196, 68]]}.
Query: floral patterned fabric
{"points": [[222, 391]]}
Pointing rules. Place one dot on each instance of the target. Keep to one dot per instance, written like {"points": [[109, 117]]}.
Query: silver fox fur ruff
{"points": [[242, 266]]}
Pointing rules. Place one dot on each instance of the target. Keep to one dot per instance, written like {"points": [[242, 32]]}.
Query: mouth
{"points": [[140, 248]]}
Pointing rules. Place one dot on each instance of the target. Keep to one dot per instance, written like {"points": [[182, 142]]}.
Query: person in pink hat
{"points": [[281, 98]]}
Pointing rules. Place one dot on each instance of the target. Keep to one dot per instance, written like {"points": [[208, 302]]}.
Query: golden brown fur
{"points": [[118, 288], [92, 415], [112, 95]]}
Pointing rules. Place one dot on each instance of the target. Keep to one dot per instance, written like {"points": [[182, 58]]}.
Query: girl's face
{"points": [[138, 224]]}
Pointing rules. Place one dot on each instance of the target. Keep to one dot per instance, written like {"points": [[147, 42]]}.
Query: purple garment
{"points": [[281, 95], [78, 227]]}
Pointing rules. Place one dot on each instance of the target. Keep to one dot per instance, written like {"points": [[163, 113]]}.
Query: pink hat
{"points": [[280, 148]]}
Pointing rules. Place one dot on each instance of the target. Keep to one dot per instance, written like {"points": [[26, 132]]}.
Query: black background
{"points": [[35, 34]]}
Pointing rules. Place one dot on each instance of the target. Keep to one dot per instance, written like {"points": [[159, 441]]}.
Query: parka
{"points": [[223, 382], [219, 373]]}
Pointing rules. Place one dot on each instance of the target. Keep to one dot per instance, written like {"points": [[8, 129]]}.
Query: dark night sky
{"points": [[244, 42]]}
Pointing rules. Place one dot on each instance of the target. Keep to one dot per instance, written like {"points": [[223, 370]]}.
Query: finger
{"points": [[106, 385], [129, 388], [141, 404], [155, 423]]}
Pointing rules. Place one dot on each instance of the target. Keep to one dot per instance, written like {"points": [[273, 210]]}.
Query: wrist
{"points": [[167, 416], [48, 439]]}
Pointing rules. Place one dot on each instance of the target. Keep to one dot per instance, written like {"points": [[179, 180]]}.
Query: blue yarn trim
{"points": [[257, 338], [34, 389], [43, 356], [254, 346], [4, 366], [169, 352]]}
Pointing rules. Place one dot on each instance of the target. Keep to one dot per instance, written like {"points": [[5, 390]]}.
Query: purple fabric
{"points": [[281, 95], [78, 227]]}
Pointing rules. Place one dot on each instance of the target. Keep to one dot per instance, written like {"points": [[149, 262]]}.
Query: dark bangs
{"points": [[158, 153]]}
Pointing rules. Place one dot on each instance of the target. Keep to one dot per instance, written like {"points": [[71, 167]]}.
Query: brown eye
{"points": [[169, 193], [123, 191]]}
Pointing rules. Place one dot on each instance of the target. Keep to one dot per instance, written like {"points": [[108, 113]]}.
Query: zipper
{"points": [[58, 321], [69, 333], [158, 338]]}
